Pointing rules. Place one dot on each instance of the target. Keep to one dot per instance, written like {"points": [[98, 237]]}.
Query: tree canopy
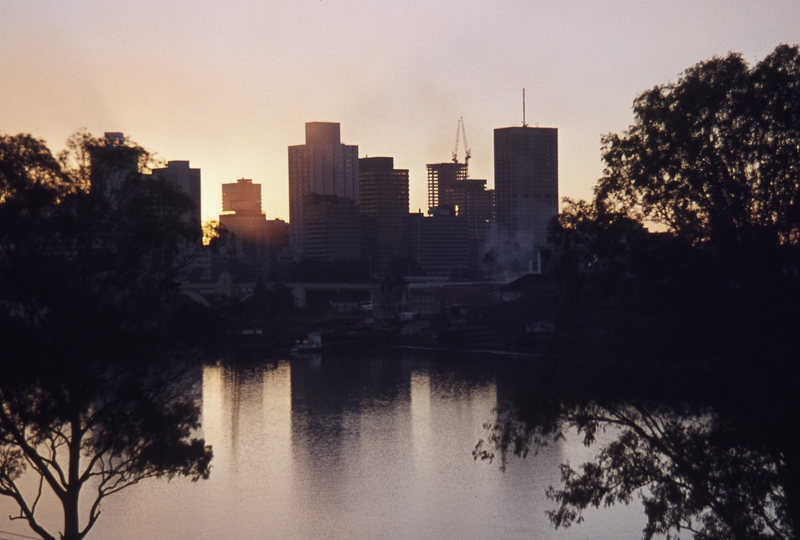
{"points": [[715, 154], [95, 338], [683, 341]]}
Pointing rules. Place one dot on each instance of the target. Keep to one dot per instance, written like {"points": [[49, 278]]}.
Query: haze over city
{"points": [[229, 86]]}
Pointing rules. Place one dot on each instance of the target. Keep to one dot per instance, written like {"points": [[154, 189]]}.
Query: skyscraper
{"points": [[242, 216], [323, 166], [439, 242], [526, 182], [332, 228], [383, 191], [187, 179], [449, 187]]}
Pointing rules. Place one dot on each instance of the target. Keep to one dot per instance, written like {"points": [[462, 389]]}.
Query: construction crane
{"points": [[461, 131]]}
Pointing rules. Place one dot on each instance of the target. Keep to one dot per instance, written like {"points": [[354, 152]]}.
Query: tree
{"points": [[715, 155], [684, 341], [94, 335]]}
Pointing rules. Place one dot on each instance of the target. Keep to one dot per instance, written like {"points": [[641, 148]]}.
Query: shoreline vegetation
{"points": [[685, 340]]}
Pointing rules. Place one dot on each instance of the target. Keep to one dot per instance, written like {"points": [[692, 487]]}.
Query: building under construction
{"points": [[450, 187]]}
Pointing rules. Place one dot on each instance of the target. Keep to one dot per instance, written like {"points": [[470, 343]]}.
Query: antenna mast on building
{"points": [[524, 123]]}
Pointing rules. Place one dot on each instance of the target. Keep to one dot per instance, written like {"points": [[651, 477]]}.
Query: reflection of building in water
{"points": [[244, 405], [277, 399], [246, 418], [420, 410], [448, 408], [363, 447]]}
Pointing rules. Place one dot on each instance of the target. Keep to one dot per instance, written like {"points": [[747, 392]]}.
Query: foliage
{"points": [[716, 155], [94, 336], [212, 232], [682, 342]]}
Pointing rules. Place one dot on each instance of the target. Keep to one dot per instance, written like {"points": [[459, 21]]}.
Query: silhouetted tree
{"points": [[95, 339], [684, 340]]}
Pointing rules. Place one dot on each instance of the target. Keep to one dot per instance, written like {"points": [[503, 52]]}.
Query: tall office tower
{"points": [[242, 216], [180, 175], [323, 166], [332, 228], [383, 192], [526, 182]]}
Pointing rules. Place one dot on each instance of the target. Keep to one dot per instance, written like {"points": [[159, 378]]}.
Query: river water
{"points": [[355, 447]]}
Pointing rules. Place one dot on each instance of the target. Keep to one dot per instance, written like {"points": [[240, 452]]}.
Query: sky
{"points": [[229, 85]]}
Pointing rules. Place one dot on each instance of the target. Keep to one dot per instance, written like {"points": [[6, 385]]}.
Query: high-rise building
{"points": [[243, 197], [383, 193], [439, 242], [526, 182], [187, 179], [471, 200], [323, 166], [442, 179], [332, 228], [450, 188], [242, 216]]}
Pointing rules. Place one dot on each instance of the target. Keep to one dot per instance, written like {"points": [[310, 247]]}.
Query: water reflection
{"points": [[354, 447]]}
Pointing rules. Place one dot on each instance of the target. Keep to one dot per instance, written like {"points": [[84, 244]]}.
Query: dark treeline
{"points": [[684, 339], [95, 338]]}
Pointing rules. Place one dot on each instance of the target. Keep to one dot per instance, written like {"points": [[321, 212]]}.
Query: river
{"points": [[374, 446]]}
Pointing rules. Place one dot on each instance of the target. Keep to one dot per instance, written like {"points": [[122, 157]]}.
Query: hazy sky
{"points": [[229, 84]]}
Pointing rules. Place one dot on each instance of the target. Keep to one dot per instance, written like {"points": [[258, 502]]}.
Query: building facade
{"points": [[442, 179], [187, 179], [470, 199], [322, 166], [451, 190], [439, 243], [242, 217], [332, 228], [526, 182], [383, 193]]}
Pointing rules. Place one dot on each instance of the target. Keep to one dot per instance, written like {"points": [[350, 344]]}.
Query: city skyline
{"points": [[230, 86]]}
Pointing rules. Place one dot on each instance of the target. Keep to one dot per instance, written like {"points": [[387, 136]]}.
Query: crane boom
{"points": [[455, 151], [467, 151], [461, 132]]}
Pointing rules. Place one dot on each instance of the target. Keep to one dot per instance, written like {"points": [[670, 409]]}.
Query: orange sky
{"points": [[229, 84]]}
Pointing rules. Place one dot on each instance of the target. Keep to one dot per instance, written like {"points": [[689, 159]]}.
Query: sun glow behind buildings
{"points": [[230, 85]]}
